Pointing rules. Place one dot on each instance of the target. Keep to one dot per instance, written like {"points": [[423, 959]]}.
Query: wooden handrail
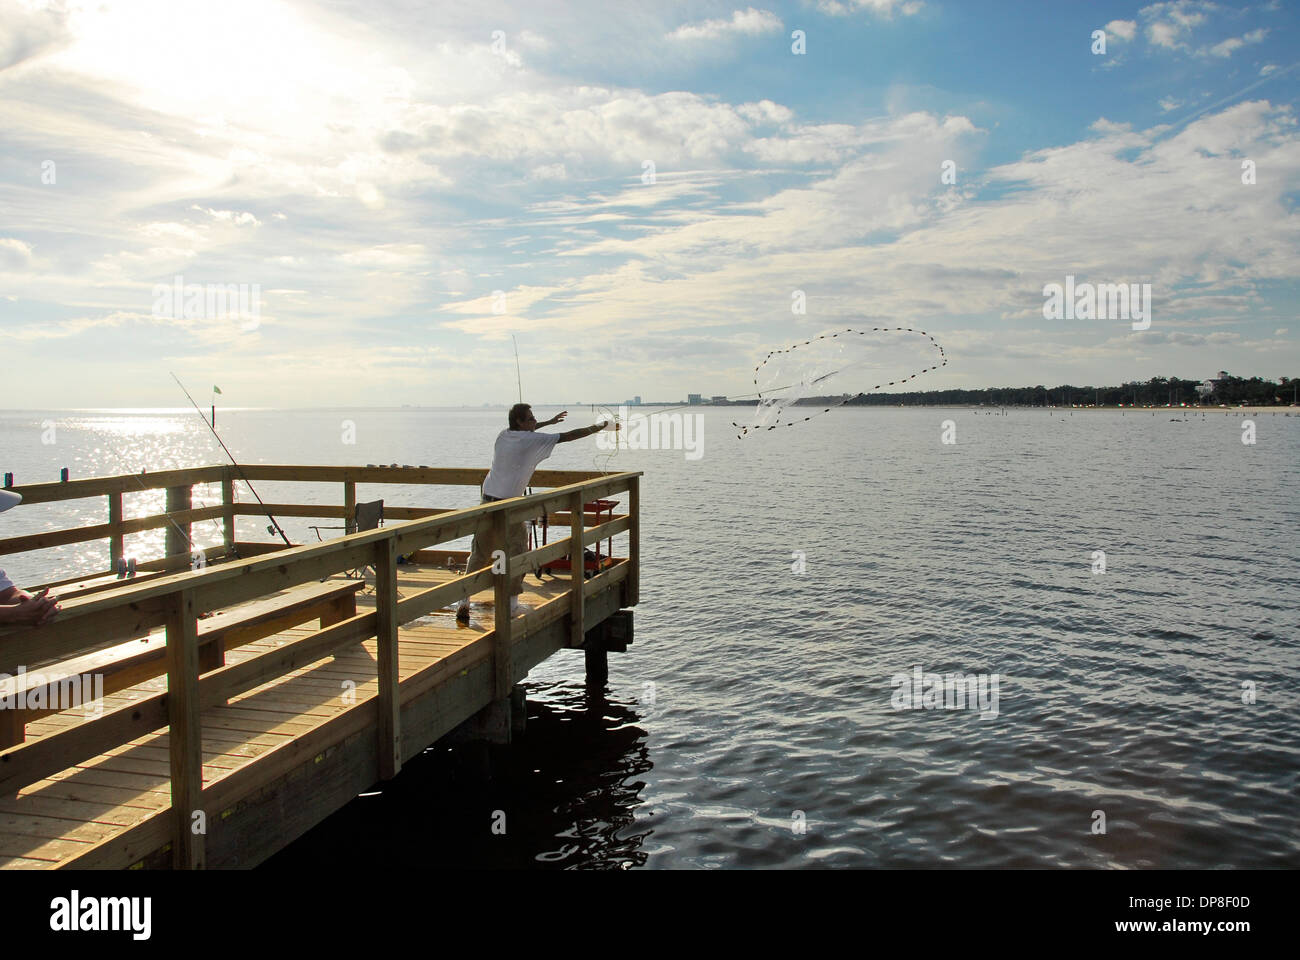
{"points": [[411, 535], [33, 493], [99, 620], [175, 481], [102, 531], [429, 476]]}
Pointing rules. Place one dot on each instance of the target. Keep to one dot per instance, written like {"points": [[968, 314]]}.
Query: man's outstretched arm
{"points": [[583, 432]]}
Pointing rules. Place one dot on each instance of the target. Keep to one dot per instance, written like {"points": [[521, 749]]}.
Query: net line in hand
{"points": [[610, 416]]}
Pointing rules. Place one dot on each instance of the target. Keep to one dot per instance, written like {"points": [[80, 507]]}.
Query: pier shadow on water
{"points": [[562, 795]]}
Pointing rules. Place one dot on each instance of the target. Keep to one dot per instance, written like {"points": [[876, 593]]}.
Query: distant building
{"points": [[695, 398], [636, 401], [1207, 387], [719, 399]]}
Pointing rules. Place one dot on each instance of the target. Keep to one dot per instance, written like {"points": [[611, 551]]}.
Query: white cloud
{"points": [[27, 31], [389, 256], [533, 41], [1169, 103], [75, 326], [1163, 35], [590, 129], [883, 8], [1169, 24], [548, 171], [1122, 29], [749, 21], [238, 218], [765, 112], [1267, 68], [1227, 47], [1104, 126], [14, 253], [1183, 14]]}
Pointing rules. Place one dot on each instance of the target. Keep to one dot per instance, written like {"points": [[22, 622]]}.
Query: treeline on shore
{"points": [[1156, 392]]}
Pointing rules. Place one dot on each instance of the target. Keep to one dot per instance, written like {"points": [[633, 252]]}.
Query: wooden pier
{"points": [[245, 701]]}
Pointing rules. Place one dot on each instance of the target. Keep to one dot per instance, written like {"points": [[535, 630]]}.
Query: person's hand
{"points": [[38, 610], [558, 417]]}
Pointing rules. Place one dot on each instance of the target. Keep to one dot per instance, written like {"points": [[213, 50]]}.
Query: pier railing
{"points": [[95, 621], [180, 514]]}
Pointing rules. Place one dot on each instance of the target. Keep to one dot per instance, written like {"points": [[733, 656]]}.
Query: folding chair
{"points": [[367, 516]]}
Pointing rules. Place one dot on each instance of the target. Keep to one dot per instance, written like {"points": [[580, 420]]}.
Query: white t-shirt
{"points": [[516, 456], [5, 582]]}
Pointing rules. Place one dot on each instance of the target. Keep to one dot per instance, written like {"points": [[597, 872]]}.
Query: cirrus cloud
{"points": [[749, 22]]}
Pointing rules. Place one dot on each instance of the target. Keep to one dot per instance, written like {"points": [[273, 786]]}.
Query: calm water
{"points": [[751, 724]]}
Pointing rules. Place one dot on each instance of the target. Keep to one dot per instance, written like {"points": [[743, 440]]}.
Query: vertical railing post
{"points": [[179, 533], [116, 541], [228, 511], [349, 506], [634, 541], [390, 705], [502, 632], [577, 570], [184, 740]]}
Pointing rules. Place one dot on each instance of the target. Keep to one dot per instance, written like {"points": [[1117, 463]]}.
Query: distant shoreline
{"points": [[1278, 408]]}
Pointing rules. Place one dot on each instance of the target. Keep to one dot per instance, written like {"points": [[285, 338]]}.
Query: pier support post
{"points": [[116, 541], [179, 534], [492, 723], [577, 570], [390, 707], [502, 631], [518, 711], [228, 512], [634, 541], [597, 665], [349, 506], [184, 743], [499, 722], [612, 633]]}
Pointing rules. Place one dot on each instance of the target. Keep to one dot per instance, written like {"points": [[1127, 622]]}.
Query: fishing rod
{"points": [[518, 377], [528, 491], [242, 475]]}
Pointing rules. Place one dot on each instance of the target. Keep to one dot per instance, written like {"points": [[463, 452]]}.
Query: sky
{"points": [[642, 195]]}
